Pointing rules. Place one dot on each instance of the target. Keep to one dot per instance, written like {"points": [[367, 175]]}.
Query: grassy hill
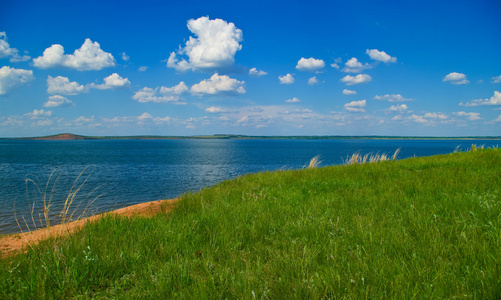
{"points": [[425, 227]]}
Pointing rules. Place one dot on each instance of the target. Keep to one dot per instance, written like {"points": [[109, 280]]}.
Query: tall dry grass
{"points": [[358, 158], [41, 199]]}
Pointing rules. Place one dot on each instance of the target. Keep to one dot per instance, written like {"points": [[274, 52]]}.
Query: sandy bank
{"points": [[15, 243]]}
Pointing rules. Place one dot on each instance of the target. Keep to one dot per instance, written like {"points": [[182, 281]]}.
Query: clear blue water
{"points": [[127, 172]]}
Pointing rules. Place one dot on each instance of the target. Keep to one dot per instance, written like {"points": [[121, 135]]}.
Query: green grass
{"points": [[417, 228]]}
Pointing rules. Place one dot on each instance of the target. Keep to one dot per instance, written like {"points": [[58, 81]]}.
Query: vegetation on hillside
{"points": [[426, 227]]}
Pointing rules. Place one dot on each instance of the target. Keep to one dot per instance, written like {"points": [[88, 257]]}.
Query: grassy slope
{"points": [[420, 227]]}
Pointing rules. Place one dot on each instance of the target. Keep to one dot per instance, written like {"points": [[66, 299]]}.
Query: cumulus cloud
{"points": [[496, 79], [310, 64], [7, 51], [11, 79], [214, 46], [218, 85], [494, 100], [293, 100], [177, 89], [214, 110], [62, 85], [398, 108], [287, 79], [392, 98], [360, 78], [145, 116], [355, 106], [349, 92], [161, 94], [114, 81], [256, 72], [313, 80], [380, 56], [456, 78], [88, 57], [470, 116], [39, 113], [57, 101], [142, 68], [433, 115], [354, 66]]}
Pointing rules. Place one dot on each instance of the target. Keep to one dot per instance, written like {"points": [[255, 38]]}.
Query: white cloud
{"points": [[214, 110], [287, 79], [256, 72], [218, 85], [497, 120], [360, 78], [470, 116], [62, 85], [349, 92], [88, 57], [354, 66], [435, 116], [494, 100], [6, 50], [57, 101], [336, 63], [356, 106], [214, 46], [380, 56], [310, 64], [177, 89], [114, 81], [293, 100], [161, 94], [145, 116], [313, 80], [11, 79], [398, 108], [39, 113], [125, 57], [456, 78], [142, 68], [496, 79], [392, 98], [418, 119]]}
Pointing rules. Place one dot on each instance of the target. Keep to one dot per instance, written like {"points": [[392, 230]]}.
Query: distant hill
{"points": [[64, 136]]}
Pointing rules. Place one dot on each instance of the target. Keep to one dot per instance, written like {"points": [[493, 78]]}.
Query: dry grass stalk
{"points": [[314, 162], [357, 158]]}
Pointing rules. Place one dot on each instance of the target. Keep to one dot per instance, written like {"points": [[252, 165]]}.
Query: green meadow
{"points": [[418, 228]]}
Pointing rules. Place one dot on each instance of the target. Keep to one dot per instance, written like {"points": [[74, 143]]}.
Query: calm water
{"points": [[127, 172]]}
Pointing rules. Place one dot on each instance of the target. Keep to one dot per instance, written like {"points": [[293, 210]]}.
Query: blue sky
{"points": [[418, 68]]}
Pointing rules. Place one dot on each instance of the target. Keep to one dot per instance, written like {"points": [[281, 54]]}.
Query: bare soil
{"points": [[15, 243]]}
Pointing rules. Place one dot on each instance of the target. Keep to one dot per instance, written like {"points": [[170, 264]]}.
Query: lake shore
{"points": [[18, 242]]}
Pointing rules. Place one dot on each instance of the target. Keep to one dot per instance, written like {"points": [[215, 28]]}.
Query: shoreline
{"points": [[12, 244]]}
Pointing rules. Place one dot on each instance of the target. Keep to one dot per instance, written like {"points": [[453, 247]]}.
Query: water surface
{"points": [[127, 172]]}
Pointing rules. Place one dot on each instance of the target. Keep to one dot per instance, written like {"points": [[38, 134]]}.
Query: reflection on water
{"points": [[133, 171]]}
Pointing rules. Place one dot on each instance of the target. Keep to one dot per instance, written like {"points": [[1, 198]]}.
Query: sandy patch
{"points": [[14, 243]]}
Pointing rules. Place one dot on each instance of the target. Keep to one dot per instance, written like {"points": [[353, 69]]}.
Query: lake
{"points": [[125, 172]]}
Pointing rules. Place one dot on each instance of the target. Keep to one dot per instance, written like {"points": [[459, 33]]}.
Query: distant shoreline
{"points": [[69, 136]]}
